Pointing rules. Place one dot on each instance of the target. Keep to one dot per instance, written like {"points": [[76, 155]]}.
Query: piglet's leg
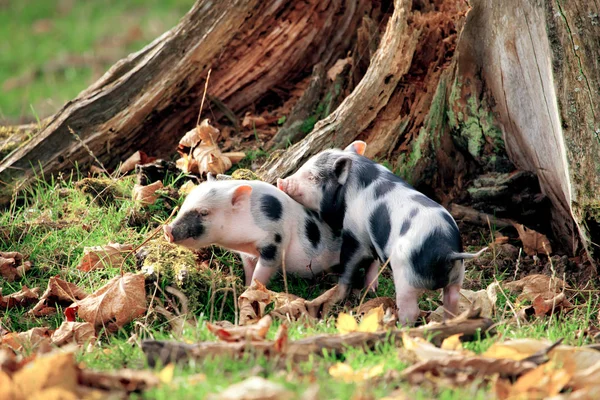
{"points": [[264, 271], [372, 278], [451, 297], [407, 299], [249, 267]]}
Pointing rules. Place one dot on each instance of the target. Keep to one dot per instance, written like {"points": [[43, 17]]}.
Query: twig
{"points": [[203, 96], [85, 146], [285, 284]]}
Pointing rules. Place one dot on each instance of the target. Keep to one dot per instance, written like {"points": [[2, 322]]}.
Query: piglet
{"points": [[382, 217], [261, 223]]}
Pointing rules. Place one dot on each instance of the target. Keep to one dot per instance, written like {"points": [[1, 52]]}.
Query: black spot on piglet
{"points": [[312, 232], [277, 238], [271, 207], [380, 225], [367, 173], [405, 227], [384, 187], [268, 252], [189, 225]]}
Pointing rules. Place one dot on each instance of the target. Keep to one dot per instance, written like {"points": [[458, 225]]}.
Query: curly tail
{"points": [[465, 256]]}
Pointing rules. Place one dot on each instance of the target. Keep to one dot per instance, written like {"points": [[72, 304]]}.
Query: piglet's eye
{"points": [[311, 177], [204, 212]]}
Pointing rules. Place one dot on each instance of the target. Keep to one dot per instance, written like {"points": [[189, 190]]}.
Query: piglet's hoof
{"points": [[168, 234]]}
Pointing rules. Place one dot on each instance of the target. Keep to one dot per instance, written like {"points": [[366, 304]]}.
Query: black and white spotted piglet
{"points": [[383, 217], [259, 222]]}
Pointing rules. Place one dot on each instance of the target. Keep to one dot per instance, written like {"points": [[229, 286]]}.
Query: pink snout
{"points": [[168, 234], [282, 184], [290, 187]]}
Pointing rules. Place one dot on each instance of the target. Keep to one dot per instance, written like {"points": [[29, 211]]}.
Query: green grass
{"points": [[52, 50]]}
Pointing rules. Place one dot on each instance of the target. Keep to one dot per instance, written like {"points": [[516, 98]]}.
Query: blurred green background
{"points": [[50, 50]]}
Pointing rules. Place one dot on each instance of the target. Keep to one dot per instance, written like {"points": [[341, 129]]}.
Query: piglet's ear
{"points": [[357, 147], [240, 194], [341, 169]]}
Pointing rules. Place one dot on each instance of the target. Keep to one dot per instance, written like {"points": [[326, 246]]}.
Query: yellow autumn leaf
{"points": [[452, 342], [517, 350], [346, 323], [370, 322], [346, 373], [166, 374]]}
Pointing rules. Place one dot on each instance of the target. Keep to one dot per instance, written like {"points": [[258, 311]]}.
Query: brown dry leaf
{"points": [[549, 306], [186, 188], [125, 379], [53, 371], [97, 257], [544, 291], [533, 242], [517, 349], [422, 350], [139, 157], [452, 343], [281, 339], [252, 303], [253, 121], [34, 340], [253, 388], [58, 292], [288, 307], [321, 305], [257, 331], [471, 366], [546, 380], [8, 389], [200, 153], [115, 304], [385, 302], [338, 67], [21, 298], [146, 195], [12, 265], [74, 332], [484, 299]]}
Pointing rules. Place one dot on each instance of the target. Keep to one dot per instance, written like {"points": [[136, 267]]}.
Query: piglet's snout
{"points": [[288, 186], [168, 233]]}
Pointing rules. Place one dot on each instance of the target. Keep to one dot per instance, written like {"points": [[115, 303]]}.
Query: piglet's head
{"points": [[207, 213], [318, 179]]}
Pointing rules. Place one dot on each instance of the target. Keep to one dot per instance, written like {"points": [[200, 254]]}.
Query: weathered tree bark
{"points": [[145, 102], [441, 94]]}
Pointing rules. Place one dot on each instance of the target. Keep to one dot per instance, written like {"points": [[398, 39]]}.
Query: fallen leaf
{"points": [[452, 343], [484, 299], [253, 388], [320, 306], [146, 195], [34, 340], [545, 293], [186, 188], [517, 349], [20, 298], [346, 323], [200, 153], [57, 370], [74, 332], [385, 302], [338, 67], [253, 121], [459, 368], [125, 379], [58, 292], [281, 338], [115, 304], [12, 265], [545, 381], [8, 389], [257, 331], [288, 307], [97, 257], [533, 242], [252, 303], [166, 374], [139, 157], [346, 373], [423, 350]]}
